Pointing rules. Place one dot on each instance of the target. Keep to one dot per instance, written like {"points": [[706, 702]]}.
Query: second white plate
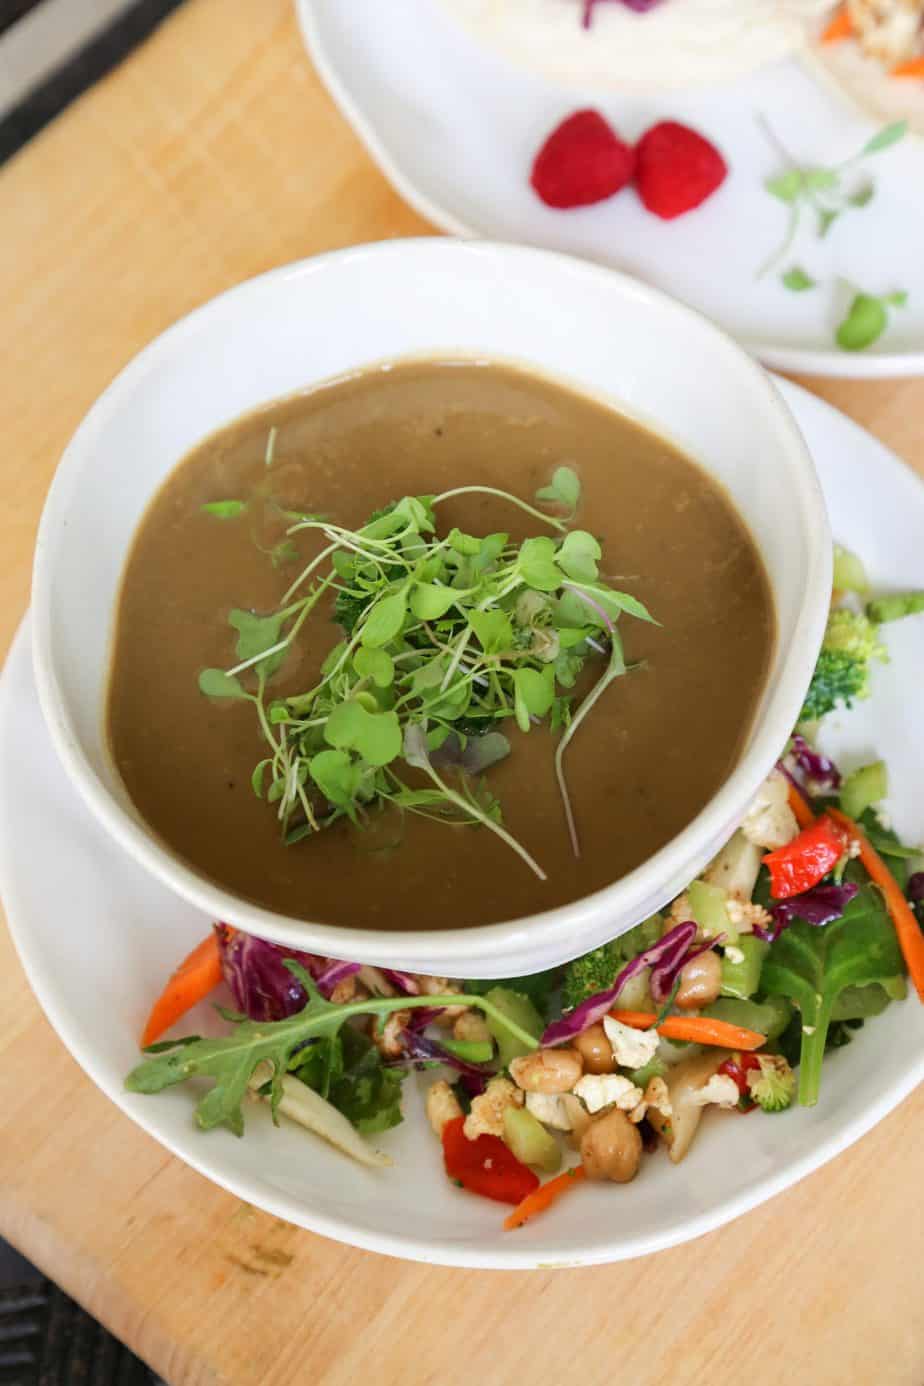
{"points": [[455, 129]]}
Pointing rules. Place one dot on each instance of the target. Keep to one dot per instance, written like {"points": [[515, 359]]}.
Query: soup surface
{"points": [[656, 747]]}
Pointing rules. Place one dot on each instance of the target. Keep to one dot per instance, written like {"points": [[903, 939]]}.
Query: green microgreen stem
{"points": [[614, 670], [502, 495]]}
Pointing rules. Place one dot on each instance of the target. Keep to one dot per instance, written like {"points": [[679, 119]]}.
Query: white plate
{"points": [[455, 130], [97, 937]]}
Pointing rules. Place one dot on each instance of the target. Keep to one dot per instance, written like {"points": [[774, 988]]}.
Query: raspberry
{"points": [[676, 169], [582, 161]]}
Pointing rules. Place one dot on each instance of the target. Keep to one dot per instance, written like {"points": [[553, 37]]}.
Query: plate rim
{"points": [[414, 1247], [825, 364]]}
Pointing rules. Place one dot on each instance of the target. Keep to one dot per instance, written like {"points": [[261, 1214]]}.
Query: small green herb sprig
{"points": [[822, 192], [445, 639]]}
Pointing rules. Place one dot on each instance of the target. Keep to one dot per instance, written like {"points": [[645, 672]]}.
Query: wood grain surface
{"points": [[210, 155]]}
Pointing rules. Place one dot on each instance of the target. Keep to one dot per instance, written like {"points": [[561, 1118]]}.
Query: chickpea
{"points": [[700, 981], [547, 1070], [611, 1148], [595, 1049]]}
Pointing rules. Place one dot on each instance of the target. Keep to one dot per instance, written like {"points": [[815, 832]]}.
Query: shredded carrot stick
{"points": [[696, 1029], [799, 805], [841, 27], [543, 1197], [913, 68], [196, 976], [910, 938]]}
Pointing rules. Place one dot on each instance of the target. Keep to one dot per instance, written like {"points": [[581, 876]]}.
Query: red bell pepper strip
{"points": [[806, 860], [737, 1068], [485, 1165]]}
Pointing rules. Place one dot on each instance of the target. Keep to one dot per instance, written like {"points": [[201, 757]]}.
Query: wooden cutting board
{"points": [[210, 155]]}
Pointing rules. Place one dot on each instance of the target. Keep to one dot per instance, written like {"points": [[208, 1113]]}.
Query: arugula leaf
{"points": [[232, 1060], [813, 966]]}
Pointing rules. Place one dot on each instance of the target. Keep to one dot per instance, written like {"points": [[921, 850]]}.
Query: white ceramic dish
{"points": [[97, 936], [311, 321], [455, 129]]}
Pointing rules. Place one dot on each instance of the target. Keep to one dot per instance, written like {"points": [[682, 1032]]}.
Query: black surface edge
{"points": [[103, 52]]}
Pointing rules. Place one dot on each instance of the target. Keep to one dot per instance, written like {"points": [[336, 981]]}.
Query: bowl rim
{"points": [[444, 949]]}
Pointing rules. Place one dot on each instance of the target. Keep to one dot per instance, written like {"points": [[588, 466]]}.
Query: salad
{"points": [[805, 926]]}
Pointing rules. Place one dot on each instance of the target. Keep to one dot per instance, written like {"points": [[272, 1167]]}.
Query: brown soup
{"points": [[657, 746]]}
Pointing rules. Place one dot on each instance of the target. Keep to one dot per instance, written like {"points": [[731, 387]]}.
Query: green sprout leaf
{"points": [[797, 280], [225, 509], [465, 544], [376, 665], [336, 776], [493, 629], [256, 634], [385, 620], [429, 602], [215, 683], [826, 219], [579, 554], [537, 564], [376, 736], [863, 195], [788, 186], [864, 324], [887, 136], [564, 488], [534, 694]]}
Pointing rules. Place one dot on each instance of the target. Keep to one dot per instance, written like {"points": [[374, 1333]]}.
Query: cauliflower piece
{"points": [[770, 822], [888, 30], [656, 1096], [387, 1037], [631, 1048], [735, 868], [549, 1109], [720, 1089], [442, 1106], [487, 1114], [743, 914], [599, 1090]]}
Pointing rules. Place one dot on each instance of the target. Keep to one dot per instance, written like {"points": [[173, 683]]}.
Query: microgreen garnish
{"points": [[797, 281], [445, 638], [866, 319], [225, 509], [822, 192]]}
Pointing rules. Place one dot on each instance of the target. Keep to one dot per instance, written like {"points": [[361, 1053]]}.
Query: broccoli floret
{"points": [[773, 1084], [842, 673], [592, 973]]}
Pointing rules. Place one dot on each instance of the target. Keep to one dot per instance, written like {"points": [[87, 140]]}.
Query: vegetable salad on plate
{"points": [[804, 927]]}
